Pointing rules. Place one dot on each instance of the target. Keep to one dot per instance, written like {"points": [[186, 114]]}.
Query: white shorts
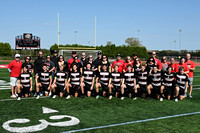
{"points": [[13, 81], [191, 81]]}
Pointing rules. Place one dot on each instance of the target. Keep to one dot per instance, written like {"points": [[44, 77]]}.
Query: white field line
{"points": [[15, 99], [131, 122]]}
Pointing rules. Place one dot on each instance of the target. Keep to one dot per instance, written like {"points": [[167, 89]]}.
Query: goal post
{"points": [[68, 52]]}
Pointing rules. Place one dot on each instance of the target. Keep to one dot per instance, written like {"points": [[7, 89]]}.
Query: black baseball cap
{"points": [[99, 53], [55, 51], [118, 55], [73, 52]]}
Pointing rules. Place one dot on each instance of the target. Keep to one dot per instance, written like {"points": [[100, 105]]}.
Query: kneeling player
{"points": [[181, 83], [142, 81], [88, 80], [74, 82], [43, 80], [167, 84], [60, 82], [115, 81], [24, 83], [129, 83], [102, 81], [155, 78]]}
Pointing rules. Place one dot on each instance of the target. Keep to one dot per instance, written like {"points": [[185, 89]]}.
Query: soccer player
{"points": [[78, 64], [115, 81], [118, 62], [157, 62], [183, 64], [74, 82], [150, 64], [167, 83], [88, 80], [191, 66], [43, 80], [181, 83], [71, 60], [104, 62], [155, 84], [164, 64], [24, 83], [60, 82], [28, 63], [173, 64], [127, 61], [50, 64], [129, 83], [136, 66], [142, 81], [102, 80]]}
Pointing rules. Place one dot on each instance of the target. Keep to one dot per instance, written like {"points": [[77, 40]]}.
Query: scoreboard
{"points": [[27, 41]]}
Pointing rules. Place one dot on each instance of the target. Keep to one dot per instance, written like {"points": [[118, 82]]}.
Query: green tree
{"points": [[5, 49], [132, 41], [54, 47]]}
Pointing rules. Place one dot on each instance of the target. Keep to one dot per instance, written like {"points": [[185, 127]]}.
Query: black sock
{"points": [[19, 94], [97, 93], [38, 93]]}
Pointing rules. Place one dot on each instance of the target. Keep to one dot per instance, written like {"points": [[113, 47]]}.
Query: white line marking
{"points": [[15, 99], [132, 122]]}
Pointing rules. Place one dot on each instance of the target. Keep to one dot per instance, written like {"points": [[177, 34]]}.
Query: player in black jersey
{"points": [[167, 83], [74, 82], [142, 81], [181, 83], [28, 63], [129, 83], [88, 80], [102, 81], [24, 83], [43, 80], [115, 81], [155, 84], [60, 82]]}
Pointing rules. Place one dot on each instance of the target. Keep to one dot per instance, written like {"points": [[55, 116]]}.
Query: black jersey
{"points": [[116, 78], [88, 76], [156, 78], [168, 79], [78, 64], [142, 77], [60, 78], [150, 67], [107, 64], [30, 66], [104, 77], [181, 79], [129, 78], [44, 77], [25, 79], [75, 77], [136, 69]]}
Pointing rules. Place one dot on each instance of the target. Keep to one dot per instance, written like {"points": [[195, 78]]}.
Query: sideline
{"points": [[15, 99]]}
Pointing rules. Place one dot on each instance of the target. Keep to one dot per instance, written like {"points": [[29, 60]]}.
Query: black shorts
{"points": [[60, 88], [87, 86], [104, 87], [75, 88], [25, 90], [45, 87], [168, 90], [117, 88], [143, 87], [182, 91], [156, 89], [129, 89]]}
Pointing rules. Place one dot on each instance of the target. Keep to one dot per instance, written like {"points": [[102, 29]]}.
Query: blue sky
{"points": [[157, 20]]}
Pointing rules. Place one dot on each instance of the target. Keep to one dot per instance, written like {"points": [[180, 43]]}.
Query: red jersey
{"points": [[157, 61], [120, 63], [163, 66], [125, 64], [190, 64], [70, 61], [15, 68], [173, 67], [183, 65]]}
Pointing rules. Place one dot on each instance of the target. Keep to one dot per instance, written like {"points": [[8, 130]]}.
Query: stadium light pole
{"points": [[75, 35], [180, 39]]}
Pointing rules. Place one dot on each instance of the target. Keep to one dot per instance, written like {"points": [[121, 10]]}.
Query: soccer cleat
{"points": [[38, 97], [190, 96], [50, 93], [110, 97], [82, 96], [54, 96], [13, 96], [18, 98], [161, 99], [134, 98], [68, 97], [16, 95], [122, 98], [97, 97], [176, 99], [185, 95], [35, 95], [41, 94]]}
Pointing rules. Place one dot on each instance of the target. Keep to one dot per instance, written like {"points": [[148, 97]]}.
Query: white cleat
{"points": [[68, 97], [13, 96], [110, 97], [134, 98], [122, 98], [18, 98], [97, 97], [38, 97], [176, 100], [54, 96], [161, 99]]}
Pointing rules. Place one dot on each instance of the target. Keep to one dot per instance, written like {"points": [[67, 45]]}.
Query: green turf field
{"points": [[101, 112]]}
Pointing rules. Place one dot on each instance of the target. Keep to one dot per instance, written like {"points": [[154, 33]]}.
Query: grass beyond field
{"points": [[101, 112]]}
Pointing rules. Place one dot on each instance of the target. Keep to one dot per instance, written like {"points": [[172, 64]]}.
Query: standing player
{"points": [[129, 83], [142, 81], [28, 63], [24, 83], [155, 84], [71, 60], [173, 64], [115, 81], [43, 80], [78, 64], [157, 62], [127, 61], [181, 83], [167, 83], [118, 62], [74, 82], [88, 80], [164, 64], [60, 82], [102, 81], [191, 67]]}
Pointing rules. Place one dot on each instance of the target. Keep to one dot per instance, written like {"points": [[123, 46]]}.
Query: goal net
{"points": [[68, 53]]}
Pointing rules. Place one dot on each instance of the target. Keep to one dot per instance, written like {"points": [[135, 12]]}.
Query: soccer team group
{"points": [[55, 76]]}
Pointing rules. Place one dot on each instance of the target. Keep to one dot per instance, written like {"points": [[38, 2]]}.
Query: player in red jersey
{"points": [[118, 62], [191, 65], [127, 62], [71, 60], [173, 64], [156, 60], [164, 64], [183, 64]]}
